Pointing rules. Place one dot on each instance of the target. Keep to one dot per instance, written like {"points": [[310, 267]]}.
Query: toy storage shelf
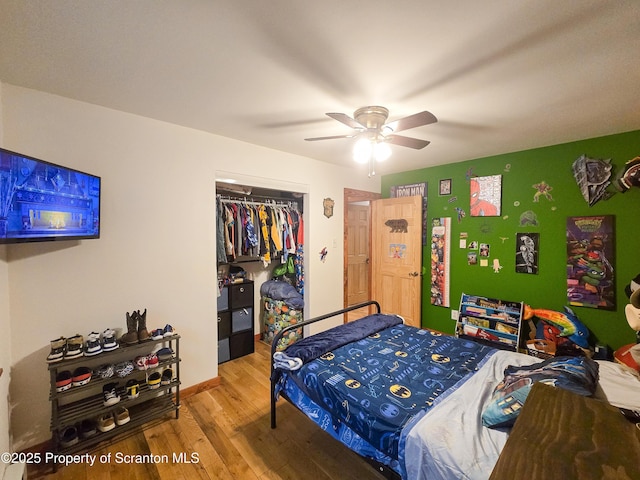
{"points": [[72, 406], [490, 321]]}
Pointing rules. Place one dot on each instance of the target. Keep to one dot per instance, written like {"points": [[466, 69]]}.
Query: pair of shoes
{"points": [[69, 437], [124, 368], [92, 345], [88, 428], [136, 328], [133, 389], [164, 354], [160, 333], [81, 376], [74, 347], [153, 381], [146, 362], [167, 376], [110, 394], [96, 344], [58, 349], [63, 381], [105, 371], [108, 421]]}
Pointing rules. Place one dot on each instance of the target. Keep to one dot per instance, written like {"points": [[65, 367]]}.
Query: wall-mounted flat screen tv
{"points": [[41, 201]]}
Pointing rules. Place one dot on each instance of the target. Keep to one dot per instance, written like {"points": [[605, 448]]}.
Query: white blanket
{"points": [[451, 443]]}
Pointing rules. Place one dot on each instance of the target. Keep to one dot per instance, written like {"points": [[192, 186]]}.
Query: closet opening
{"points": [[260, 265]]}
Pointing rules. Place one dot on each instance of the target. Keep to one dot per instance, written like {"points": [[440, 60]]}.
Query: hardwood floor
{"points": [[224, 433]]}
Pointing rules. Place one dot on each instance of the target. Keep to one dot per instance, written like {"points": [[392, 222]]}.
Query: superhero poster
{"points": [[485, 196], [590, 262]]}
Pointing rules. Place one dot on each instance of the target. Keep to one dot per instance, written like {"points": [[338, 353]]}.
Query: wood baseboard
{"points": [[200, 387]]}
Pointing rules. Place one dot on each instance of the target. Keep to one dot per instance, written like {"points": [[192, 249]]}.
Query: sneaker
{"points": [[164, 354], [74, 348], [110, 394], [122, 416], [152, 361], [106, 422], [133, 389], [58, 349], [168, 331], [63, 381], [88, 428], [109, 341], [105, 371], [157, 334], [167, 376], [69, 437], [124, 368], [154, 380], [92, 345], [81, 376]]}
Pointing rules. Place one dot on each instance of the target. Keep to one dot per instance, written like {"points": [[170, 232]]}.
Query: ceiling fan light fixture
{"points": [[362, 150], [381, 151]]}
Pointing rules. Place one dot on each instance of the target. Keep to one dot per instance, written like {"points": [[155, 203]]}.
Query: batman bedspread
{"points": [[368, 393]]}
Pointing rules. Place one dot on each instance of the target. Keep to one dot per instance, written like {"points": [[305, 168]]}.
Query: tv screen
{"points": [[41, 201]]}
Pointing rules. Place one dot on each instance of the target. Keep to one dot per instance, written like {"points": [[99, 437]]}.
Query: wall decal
{"points": [[590, 270], [440, 264], [397, 225], [323, 254], [472, 258], [527, 245], [485, 196], [496, 265], [412, 190], [397, 250], [528, 218], [328, 204], [629, 176], [542, 189], [461, 213], [593, 176], [485, 250]]}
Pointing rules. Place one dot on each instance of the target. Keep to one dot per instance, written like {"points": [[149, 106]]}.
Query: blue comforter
{"points": [[381, 383]]}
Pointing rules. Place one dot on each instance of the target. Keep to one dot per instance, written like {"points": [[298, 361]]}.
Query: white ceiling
{"points": [[500, 75]]}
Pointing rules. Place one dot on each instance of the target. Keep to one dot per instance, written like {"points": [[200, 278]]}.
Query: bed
{"points": [[411, 401]]}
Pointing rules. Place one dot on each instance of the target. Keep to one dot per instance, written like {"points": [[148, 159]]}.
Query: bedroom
{"points": [[154, 252]]}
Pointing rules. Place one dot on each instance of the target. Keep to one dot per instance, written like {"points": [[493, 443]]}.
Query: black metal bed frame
{"points": [[383, 469]]}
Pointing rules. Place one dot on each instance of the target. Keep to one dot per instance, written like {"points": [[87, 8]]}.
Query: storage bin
{"points": [[241, 295], [277, 315], [223, 299], [241, 319]]}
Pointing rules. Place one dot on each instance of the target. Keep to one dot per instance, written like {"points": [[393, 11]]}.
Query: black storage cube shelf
{"points": [[235, 321]]}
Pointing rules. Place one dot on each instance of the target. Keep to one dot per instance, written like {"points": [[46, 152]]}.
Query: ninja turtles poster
{"points": [[590, 263]]}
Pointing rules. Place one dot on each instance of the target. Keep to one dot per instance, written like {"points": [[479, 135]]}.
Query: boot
{"points": [[131, 336], [143, 334]]}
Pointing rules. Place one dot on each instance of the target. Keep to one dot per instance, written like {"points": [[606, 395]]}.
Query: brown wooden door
{"points": [[396, 256], [357, 253]]}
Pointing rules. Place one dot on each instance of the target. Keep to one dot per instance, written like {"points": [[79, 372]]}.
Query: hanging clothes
{"points": [[252, 229]]}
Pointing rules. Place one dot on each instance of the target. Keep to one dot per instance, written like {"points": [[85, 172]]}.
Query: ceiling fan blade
{"points": [[413, 121], [406, 141], [346, 119], [329, 138]]}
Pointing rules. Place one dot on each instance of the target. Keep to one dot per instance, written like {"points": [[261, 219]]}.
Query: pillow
{"points": [[577, 374]]}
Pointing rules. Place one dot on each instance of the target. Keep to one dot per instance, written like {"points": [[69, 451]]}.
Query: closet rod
{"points": [[268, 201]]}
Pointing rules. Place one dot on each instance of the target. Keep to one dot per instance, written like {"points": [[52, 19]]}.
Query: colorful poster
{"points": [[485, 196], [440, 264], [590, 262], [413, 190]]}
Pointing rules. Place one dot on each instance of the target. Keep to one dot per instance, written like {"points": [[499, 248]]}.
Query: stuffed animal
{"points": [[567, 323]]}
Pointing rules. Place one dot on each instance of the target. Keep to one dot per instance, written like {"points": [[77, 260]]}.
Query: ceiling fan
{"points": [[369, 122]]}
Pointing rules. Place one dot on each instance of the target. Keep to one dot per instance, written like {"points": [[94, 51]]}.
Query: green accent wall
{"points": [[520, 171]]}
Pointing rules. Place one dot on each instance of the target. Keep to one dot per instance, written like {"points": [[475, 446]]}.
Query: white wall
{"points": [[157, 245], [5, 341]]}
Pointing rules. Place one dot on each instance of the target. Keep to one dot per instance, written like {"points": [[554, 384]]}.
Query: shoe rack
{"points": [[71, 407]]}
